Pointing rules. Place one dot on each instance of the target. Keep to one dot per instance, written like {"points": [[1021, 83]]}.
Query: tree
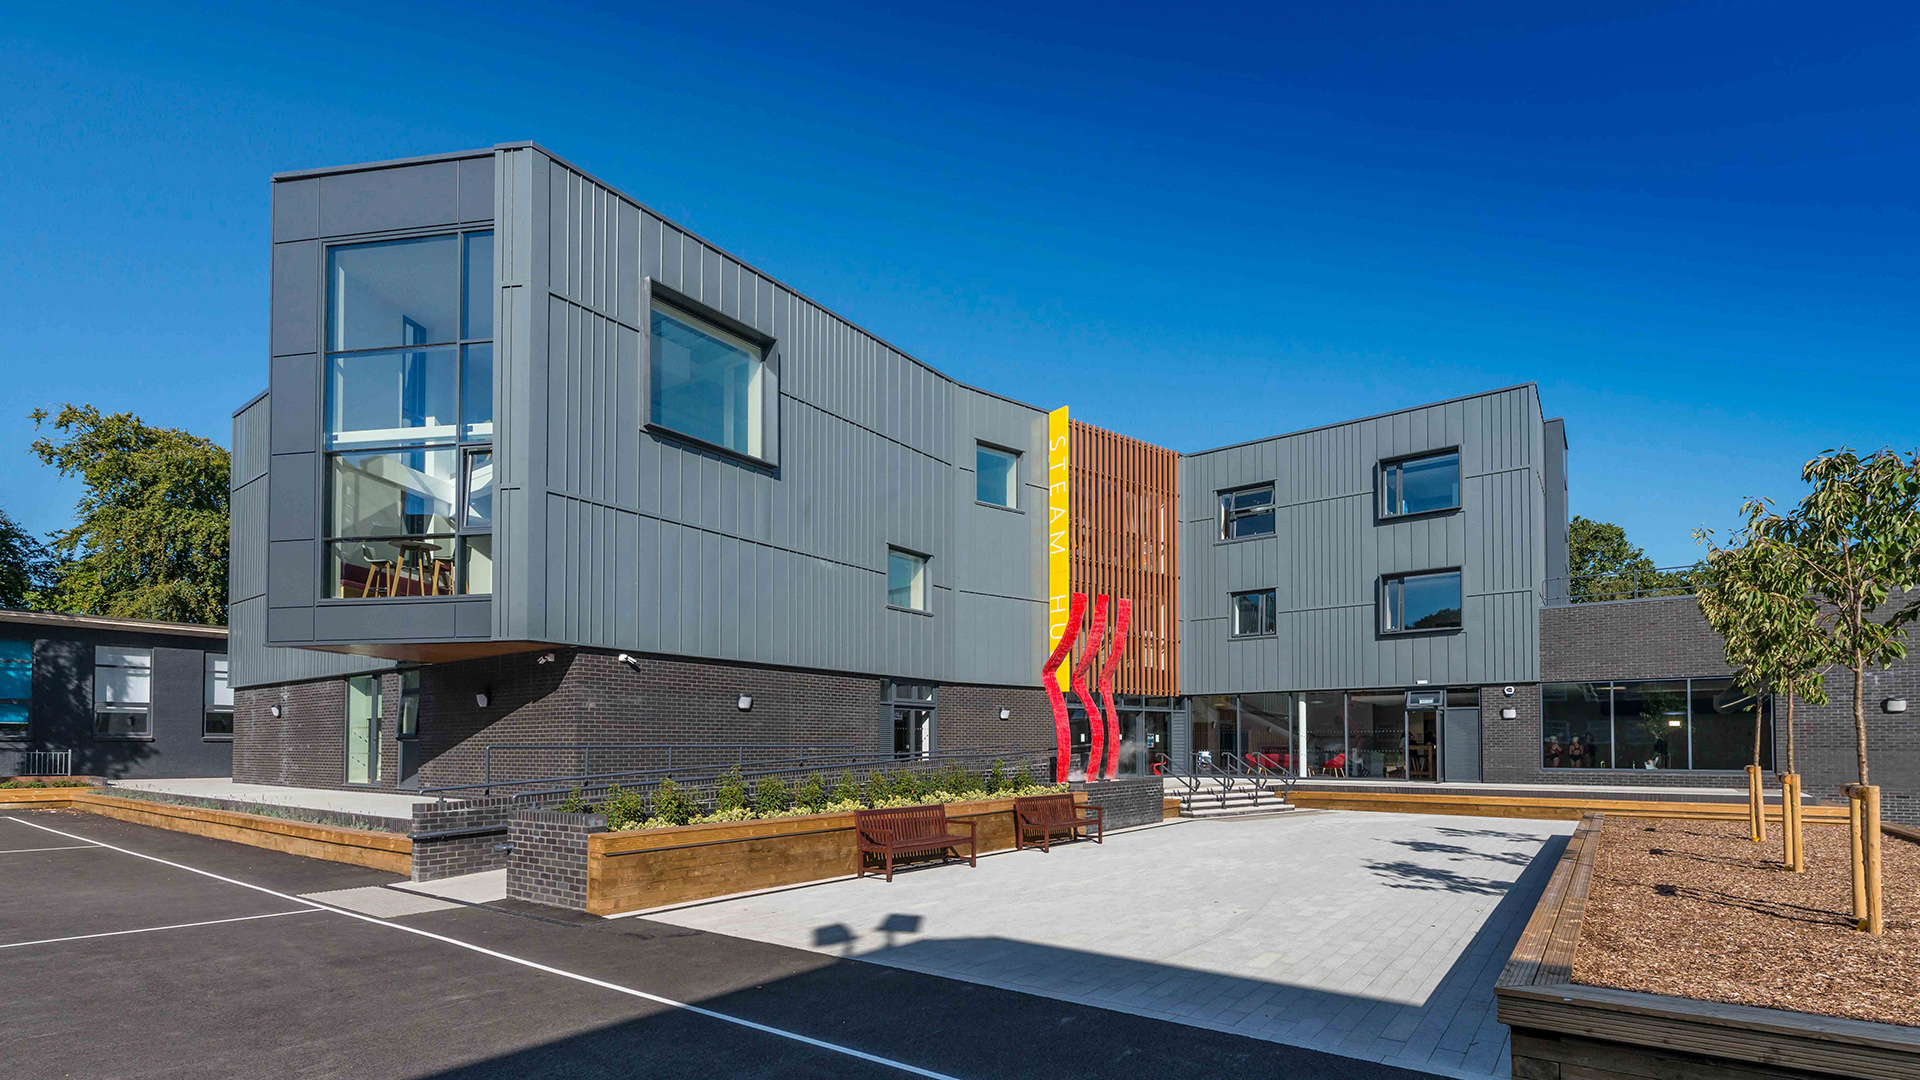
{"points": [[25, 566], [1602, 564], [150, 534], [1856, 538]]}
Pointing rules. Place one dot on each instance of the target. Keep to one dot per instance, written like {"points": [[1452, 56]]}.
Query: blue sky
{"points": [[1693, 225]]}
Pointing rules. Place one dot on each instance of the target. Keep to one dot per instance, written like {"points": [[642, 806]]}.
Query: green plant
{"points": [[771, 798], [43, 783], [574, 803], [731, 792], [672, 804], [811, 797], [623, 807], [844, 790], [877, 789]]}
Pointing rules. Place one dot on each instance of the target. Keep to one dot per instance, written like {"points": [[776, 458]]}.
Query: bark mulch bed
{"points": [[1694, 909]]}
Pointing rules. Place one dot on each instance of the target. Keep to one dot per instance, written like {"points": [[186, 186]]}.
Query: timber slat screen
{"points": [[1125, 513]]}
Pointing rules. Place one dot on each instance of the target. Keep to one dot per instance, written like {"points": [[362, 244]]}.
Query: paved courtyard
{"points": [[1374, 936]]}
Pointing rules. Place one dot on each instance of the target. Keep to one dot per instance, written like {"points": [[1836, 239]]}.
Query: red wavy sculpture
{"points": [[1096, 636], [1114, 650], [1050, 681]]}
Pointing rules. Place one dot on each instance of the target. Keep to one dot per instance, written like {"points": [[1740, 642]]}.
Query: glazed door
{"points": [[363, 729]]}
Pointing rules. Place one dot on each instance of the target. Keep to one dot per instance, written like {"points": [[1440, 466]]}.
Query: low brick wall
{"points": [[1127, 801], [466, 837], [549, 860]]}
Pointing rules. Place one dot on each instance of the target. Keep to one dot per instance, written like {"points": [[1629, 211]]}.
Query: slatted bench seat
{"points": [[1049, 815], [910, 830]]}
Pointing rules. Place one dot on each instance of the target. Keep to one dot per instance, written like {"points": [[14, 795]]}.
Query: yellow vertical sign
{"points": [[1059, 525]]}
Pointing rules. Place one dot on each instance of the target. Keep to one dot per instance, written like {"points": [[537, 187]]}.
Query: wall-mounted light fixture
{"points": [[1674, 723], [630, 661], [547, 659], [1895, 704], [1006, 713], [1507, 690], [480, 699], [274, 710], [1509, 713], [745, 702]]}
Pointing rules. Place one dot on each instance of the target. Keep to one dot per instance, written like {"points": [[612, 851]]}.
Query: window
{"points": [[706, 383], [1420, 485], [409, 414], [1415, 602], [408, 724], [16, 687], [217, 720], [363, 729], [908, 711], [1253, 614], [1246, 512], [1701, 724], [122, 692], [995, 476], [906, 580]]}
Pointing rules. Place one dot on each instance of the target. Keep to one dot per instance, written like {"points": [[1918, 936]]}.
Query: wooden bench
{"points": [[1050, 814], [910, 830]]}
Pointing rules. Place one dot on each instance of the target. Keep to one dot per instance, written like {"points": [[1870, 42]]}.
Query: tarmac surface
{"points": [[128, 951]]}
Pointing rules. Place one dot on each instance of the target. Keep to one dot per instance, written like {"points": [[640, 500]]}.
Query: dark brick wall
{"points": [[1659, 638], [585, 696], [443, 857], [549, 860], [1128, 800]]}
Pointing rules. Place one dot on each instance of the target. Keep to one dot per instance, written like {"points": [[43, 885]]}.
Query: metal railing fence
{"points": [[46, 763], [634, 757]]}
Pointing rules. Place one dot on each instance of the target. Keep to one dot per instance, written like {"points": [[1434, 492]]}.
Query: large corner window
{"points": [[409, 417], [1253, 614], [995, 476], [216, 721], [706, 382], [906, 580], [1427, 484], [122, 692], [1411, 603], [1652, 724], [16, 687], [1246, 512]]}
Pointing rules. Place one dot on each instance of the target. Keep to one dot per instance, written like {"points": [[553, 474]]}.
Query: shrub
{"points": [[731, 794], [996, 780], [811, 797], [844, 790], [43, 783], [841, 806], [623, 808], [673, 805], [574, 803], [877, 789], [723, 816], [771, 797]]}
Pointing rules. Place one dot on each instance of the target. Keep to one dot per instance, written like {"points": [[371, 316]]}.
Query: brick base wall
{"points": [[549, 860], [1128, 800], [450, 856]]}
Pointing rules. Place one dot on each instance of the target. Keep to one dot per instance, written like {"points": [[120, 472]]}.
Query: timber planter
{"points": [[641, 869], [1562, 1029]]}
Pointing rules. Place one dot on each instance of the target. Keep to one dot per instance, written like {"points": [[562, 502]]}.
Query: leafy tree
{"points": [[26, 568], [150, 535], [1602, 564]]}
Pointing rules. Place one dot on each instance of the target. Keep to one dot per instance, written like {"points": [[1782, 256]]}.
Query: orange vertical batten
{"points": [[1125, 497]]}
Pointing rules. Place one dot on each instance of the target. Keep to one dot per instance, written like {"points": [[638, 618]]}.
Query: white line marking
{"points": [[535, 965], [151, 929], [65, 847]]}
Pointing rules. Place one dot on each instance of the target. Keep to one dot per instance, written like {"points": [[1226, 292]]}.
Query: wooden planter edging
{"points": [[1545, 808], [380, 851], [652, 868], [1565, 1030]]}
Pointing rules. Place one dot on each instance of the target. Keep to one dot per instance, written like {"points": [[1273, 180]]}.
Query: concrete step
{"points": [[1211, 809]]}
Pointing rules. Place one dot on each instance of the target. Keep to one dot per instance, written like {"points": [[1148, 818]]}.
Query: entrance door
{"points": [[1423, 744], [363, 729], [912, 732], [1461, 760]]}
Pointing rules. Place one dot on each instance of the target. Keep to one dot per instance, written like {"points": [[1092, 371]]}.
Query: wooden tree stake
{"points": [[1855, 814], [1870, 808]]}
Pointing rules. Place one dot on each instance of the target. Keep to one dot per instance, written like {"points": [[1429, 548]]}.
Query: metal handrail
{"points": [[586, 751], [1228, 770], [1634, 584], [587, 783]]}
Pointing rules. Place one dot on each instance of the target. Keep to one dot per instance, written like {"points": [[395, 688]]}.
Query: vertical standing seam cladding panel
{"points": [[613, 536], [1329, 550]]}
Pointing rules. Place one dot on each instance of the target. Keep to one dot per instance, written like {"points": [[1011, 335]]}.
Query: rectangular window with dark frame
{"points": [[1246, 512], [1253, 613], [906, 580], [217, 718], [706, 382], [995, 479], [16, 687], [122, 692], [909, 710], [409, 417], [1653, 724], [1427, 484], [1411, 603]]}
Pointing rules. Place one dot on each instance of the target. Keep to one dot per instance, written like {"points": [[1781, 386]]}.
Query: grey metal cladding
{"points": [[611, 535], [296, 210], [295, 310], [251, 440], [252, 662], [1329, 551], [293, 511], [381, 200], [296, 403]]}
